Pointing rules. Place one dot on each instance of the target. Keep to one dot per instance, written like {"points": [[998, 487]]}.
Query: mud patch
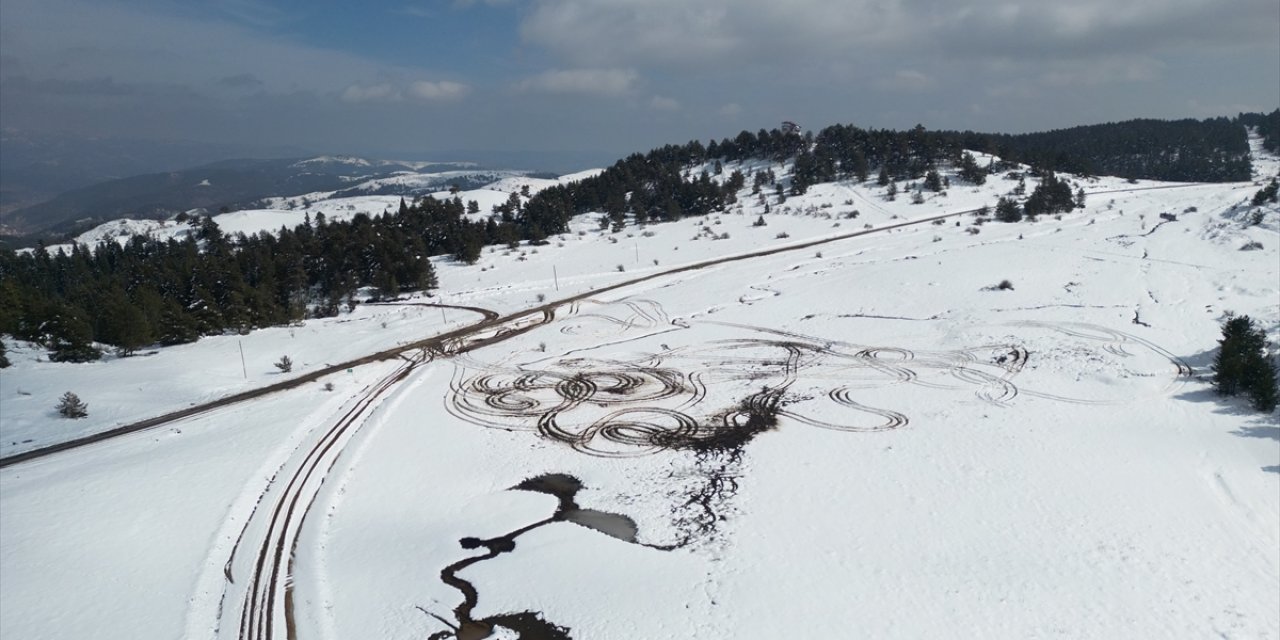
{"points": [[527, 625]]}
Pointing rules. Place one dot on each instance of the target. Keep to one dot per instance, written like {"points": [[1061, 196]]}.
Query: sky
{"points": [[617, 76]]}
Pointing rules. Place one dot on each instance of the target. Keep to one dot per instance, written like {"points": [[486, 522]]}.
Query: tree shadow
{"points": [[1226, 405], [1259, 425], [1201, 363], [1202, 372], [1272, 432]]}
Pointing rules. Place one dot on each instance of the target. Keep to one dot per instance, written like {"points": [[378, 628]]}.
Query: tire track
{"points": [[266, 547]]}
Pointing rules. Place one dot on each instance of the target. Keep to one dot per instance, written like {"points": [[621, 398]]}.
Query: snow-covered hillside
{"points": [[291, 211], [949, 458]]}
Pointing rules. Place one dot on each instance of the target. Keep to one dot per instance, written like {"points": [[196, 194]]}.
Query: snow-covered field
{"points": [[948, 460]]}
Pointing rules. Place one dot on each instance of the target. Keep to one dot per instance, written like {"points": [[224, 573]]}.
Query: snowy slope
{"points": [[951, 460], [291, 211]]}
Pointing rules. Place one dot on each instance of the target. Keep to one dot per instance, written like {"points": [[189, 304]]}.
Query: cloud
{"points": [[241, 81], [663, 103], [116, 40], [423, 90], [253, 12], [239, 71], [909, 80], [1088, 29], [599, 82], [384, 92], [1117, 70], [1212, 109], [638, 33], [629, 30], [90, 88], [437, 91]]}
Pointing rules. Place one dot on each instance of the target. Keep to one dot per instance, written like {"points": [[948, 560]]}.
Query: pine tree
{"points": [[284, 364], [1269, 193], [933, 181], [970, 171], [1242, 366], [70, 406], [1007, 210], [70, 338], [122, 324], [1261, 381], [1228, 364], [4, 359], [176, 326]]}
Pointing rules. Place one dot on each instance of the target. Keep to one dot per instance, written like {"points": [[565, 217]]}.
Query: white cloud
{"points": [[422, 90], [601, 82], [731, 110], [438, 91], [637, 33], [630, 30], [75, 40], [908, 80], [373, 93], [1113, 70], [663, 103]]}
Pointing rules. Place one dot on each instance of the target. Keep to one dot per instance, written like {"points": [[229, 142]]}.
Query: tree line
{"points": [[174, 291], [1267, 126]]}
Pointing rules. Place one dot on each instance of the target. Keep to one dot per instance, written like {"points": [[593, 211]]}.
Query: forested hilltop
{"points": [[169, 292]]}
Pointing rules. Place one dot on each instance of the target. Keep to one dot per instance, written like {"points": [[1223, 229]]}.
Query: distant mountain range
{"points": [[54, 185], [232, 184], [38, 166]]}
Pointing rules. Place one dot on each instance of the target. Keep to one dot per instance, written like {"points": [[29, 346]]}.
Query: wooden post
{"points": [[243, 369]]}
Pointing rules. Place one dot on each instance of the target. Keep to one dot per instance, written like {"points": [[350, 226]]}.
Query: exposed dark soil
{"points": [[529, 625]]}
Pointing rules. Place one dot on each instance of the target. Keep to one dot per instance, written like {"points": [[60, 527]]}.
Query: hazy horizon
{"points": [[611, 78]]}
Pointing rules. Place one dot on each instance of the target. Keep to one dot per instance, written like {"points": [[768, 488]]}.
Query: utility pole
{"points": [[556, 276], [243, 369]]}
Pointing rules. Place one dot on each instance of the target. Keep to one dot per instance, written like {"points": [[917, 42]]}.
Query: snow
{"points": [[416, 165], [952, 460], [291, 211], [160, 380], [122, 231], [351, 160]]}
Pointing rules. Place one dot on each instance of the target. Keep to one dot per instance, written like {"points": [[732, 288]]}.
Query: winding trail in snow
{"points": [[272, 531]]}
